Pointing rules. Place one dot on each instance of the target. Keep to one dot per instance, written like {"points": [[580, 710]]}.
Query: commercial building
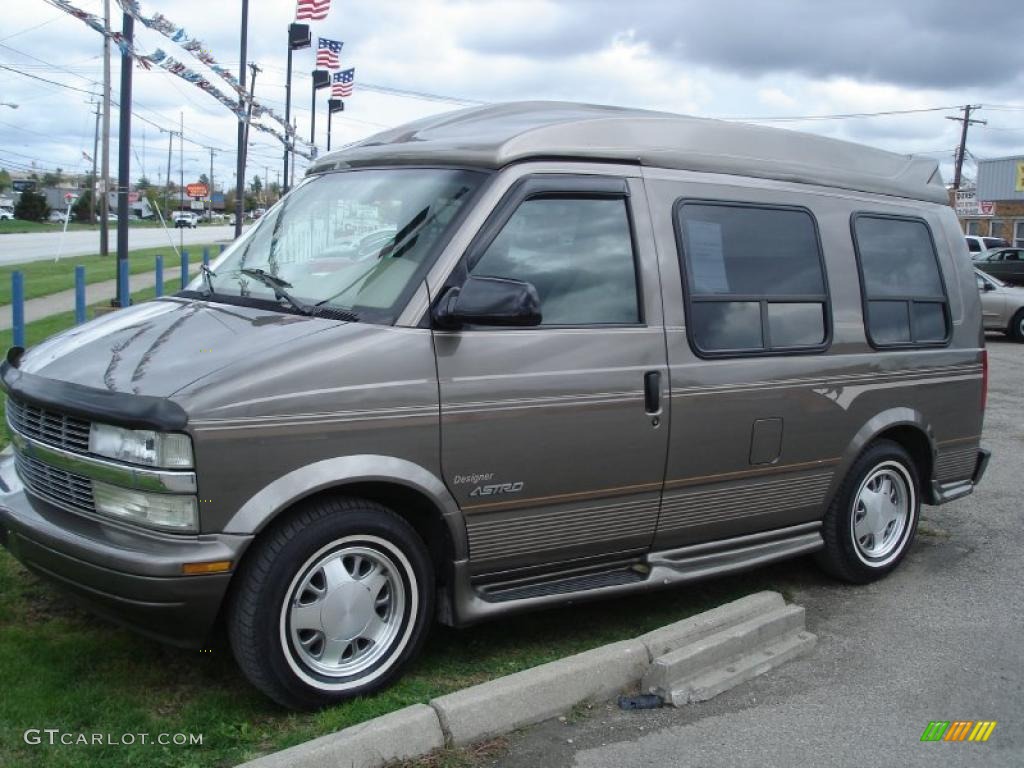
{"points": [[995, 207]]}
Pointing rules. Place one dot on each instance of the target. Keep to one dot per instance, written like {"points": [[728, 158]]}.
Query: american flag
{"points": [[341, 83], [327, 53], [315, 10]]}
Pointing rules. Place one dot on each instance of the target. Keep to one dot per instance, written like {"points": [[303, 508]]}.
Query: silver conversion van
{"points": [[501, 359]]}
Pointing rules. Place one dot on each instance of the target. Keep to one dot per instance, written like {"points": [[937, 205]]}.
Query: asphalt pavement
{"points": [[941, 638], [35, 246]]}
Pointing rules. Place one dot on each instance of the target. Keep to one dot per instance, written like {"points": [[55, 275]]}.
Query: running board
{"points": [[662, 569]]}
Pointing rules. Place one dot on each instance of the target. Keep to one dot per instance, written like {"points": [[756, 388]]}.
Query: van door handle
{"points": [[652, 391]]}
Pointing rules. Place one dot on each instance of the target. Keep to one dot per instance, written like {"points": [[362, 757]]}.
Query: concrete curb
{"points": [[533, 695], [536, 694], [409, 732]]}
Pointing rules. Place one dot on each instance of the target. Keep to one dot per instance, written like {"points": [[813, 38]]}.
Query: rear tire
{"points": [[1016, 329], [331, 603], [871, 522]]}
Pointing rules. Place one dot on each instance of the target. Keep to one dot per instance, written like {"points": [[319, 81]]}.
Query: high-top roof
{"points": [[495, 135]]}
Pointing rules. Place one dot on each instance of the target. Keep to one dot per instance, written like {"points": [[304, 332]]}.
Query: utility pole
{"points": [[243, 126], [243, 156], [95, 148], [210, 190], [967, 121], [167, 184], [105, 164], [124, 156]]}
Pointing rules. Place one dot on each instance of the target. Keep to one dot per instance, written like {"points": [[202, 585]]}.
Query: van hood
{"points": [[159, 347]]}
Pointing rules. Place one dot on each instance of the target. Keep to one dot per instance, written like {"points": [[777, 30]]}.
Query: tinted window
{"points": [[754, 278], [905, 300], [974, 246], [577, 253]]}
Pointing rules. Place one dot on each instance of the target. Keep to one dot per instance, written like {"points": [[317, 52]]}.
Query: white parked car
{"points": [[977, 244], [185, 219], [6, 214]]}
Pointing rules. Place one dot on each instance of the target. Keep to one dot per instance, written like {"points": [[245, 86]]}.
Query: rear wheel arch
{"points": [[904, 426]]}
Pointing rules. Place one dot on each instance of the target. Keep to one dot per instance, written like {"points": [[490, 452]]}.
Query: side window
{"points": [[904, 299], [974, 246], [755, 282], [578, 254]]}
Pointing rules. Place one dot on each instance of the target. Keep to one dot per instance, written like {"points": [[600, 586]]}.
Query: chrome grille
{"points": [[55, 485], [50, 427]]}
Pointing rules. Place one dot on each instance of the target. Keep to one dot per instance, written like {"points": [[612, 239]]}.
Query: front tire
{"points": [[871, 522], [331, 603]]}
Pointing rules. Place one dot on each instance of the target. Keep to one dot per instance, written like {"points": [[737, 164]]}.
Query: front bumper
{"points": [[130, 576]]}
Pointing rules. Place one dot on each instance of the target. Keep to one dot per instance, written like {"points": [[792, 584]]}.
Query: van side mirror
{"points": [[489, 301]]}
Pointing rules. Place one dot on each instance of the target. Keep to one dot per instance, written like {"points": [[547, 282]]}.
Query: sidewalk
{"points": [[64, 301]]}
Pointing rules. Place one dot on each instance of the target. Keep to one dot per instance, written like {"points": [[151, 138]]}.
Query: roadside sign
{"points": [[196, 190], [198, 205]]}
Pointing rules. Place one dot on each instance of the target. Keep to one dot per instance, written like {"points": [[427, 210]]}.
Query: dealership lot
{"points": [[937, 640]]}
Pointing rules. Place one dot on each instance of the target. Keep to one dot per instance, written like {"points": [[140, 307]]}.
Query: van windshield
{"points": [[358, 240]]}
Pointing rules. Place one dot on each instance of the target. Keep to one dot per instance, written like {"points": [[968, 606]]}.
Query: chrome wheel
{"points": [[881, 513], [345, 610]]}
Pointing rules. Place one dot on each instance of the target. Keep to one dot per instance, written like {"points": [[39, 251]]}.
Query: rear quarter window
{"points": [[904, 296]]}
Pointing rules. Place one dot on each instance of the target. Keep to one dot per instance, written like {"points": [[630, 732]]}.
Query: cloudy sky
{"points": [[755, 59]]}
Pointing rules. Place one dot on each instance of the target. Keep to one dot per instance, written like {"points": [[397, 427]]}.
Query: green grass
{"points": [[64, 669], [17, 226], [61, 668], [45, 277]]}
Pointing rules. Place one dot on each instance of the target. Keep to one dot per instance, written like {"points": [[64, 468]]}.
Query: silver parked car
{"points": [[1002, 306], [598, 352]]}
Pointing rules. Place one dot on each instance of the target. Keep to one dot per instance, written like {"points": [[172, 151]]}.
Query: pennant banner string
{"points": [[160, 59]]}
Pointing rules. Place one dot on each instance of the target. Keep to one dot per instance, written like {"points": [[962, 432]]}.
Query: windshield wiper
{"points": [[208, 275], [279, 287]]}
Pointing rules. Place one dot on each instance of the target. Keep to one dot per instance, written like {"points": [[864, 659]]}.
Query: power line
{"points": [[845, 116], [44, 80], [29, 29]]}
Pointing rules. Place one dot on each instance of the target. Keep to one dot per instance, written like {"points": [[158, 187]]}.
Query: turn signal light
{"points": [[194, 569]]}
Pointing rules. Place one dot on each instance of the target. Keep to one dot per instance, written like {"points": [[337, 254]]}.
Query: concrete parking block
{"points": [[722, 646], [746, 667], [536, 694], [680, 633], [407, 733]]}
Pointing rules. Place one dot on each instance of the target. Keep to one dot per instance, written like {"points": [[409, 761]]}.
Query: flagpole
{"points": [[242, 126], [287, 110], [312, 115], [124, 148]]}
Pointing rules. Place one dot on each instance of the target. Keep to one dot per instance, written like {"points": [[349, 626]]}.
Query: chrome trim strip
{"points": [[105, 471]]}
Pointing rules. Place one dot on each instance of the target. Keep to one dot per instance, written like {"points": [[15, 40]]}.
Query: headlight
{"points": [[141, 446], [159, 510]]}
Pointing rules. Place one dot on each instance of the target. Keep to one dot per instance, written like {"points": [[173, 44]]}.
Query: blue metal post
{"points": [[18, 307], [79, 294], [206, 256], [123, 294], [184, 269], [159, 276]]}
